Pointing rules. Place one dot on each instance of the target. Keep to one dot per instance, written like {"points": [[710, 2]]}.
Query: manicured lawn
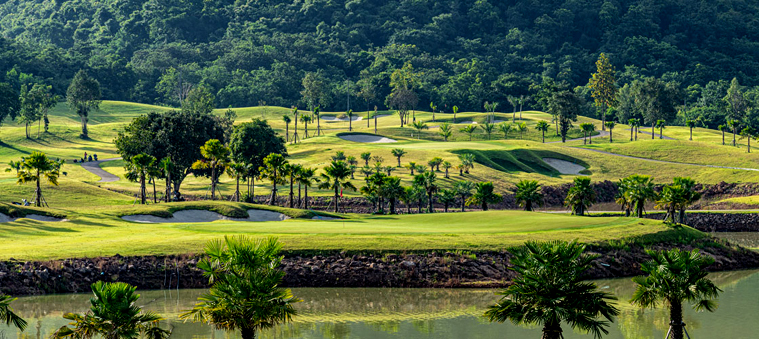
{"points": [[100, 232]]}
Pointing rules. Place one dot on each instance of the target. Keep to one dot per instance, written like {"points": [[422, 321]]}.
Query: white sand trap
{"points": [[37, 217], [194, 216], [367, 138], [345, 119], [564, 167], [319, 217], [468, 122]]}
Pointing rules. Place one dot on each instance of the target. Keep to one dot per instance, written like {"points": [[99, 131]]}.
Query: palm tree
{"points": [[427, 181], [392, 191], [287, 121], [514, 101], [307, 178], [661, 125], [7, 315], [167, 166], [433, 108], [419, 126], [436, 162], [455, 111], [245, 293], [550, 288], [543, 127], [463, 189], [632, 122], [610, 125], [488, 127], [350, 119], [528, 194], [523, 99], [722, 128], [469, 129], [371, 191], [273, 169], [237, 170], [137, 170], [484, 194], [113, 315], [690, 195], [216, 158], [305, 119], [691, 124], [419, 195], [446, 166], [467, 159], [748, 133], [671, 199], [336, 177], [399, 153], [36, 166], [584, 130], [411, 166], [366, 156], [505, 129], [733, 125], [295, 132], [408, 198], [522, 127], [588, 129], [447, 198], [317, 113], [675, 277], [291, 170], [446, 130], [581, 196], [635, 191]]}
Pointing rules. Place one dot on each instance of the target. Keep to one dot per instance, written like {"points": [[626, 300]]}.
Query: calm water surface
{"points": [[417, 313]]}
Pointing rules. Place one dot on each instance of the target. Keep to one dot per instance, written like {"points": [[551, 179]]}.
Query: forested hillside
{"points": [[466, 51]]}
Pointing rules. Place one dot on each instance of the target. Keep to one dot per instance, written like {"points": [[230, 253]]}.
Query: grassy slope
{"points": [[99, 231]]}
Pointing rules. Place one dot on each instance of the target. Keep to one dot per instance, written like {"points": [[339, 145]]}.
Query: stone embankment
{"points": [[718, 222], [334, 270]]}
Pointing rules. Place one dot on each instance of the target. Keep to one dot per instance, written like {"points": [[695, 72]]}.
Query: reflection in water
{"points": [[745, 239], [340, 313]]}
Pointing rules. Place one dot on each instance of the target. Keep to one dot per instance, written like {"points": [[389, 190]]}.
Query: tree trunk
{"points": [[552, 331], [631, 132], [463, 203], [661, 132], [287, 132], [237, 189], [38, 192], [155, 199], [248, 333], [142, 189], [84, 126], [292, 194], [392, 206], [544, 136], [167, 198], [446, 173], [318, 125], [723, 138], [273, 198], [337, 201], [484, 206], [676, 319], [213, 181], [611, 135], [653, 131], [305, 196], [430, 202], [691, 134]]}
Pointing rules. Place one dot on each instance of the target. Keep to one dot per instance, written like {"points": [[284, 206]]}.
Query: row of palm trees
{"points": [[634, 193], [488, 128], [551, 288]]}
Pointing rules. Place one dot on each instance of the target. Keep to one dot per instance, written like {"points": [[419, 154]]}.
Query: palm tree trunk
{"points": [[484, 206], [248, 333], [38, 192], [168, 188], [392, 206], [155, 201], [273, 198], [337, 201], [213, 182], [237, 189], [429, 207], [691, 134], [653, 131], [611, 135], [318, 125], [661, 132], [300, 201], [552, 331], [292, 195], [723, 138], [544, 135], [305, 196], [142, 188], [676, 319], [463, 204]]}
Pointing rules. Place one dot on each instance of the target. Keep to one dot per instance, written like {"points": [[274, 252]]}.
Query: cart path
{"points": [[94, 168]]}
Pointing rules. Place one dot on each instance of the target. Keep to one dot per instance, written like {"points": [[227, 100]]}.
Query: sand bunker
{"points": [[345, 119], [468, 122], [367, 138], [5, 218], [563, 166], [194, 216]]}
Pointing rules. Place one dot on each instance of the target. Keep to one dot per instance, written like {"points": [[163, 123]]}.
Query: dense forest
{"points": [[465, 52]]}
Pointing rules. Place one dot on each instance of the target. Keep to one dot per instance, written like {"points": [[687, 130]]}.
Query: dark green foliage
{"points": [[252, 141]]}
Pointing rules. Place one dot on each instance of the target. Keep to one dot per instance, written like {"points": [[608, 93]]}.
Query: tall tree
{"points": [[34, 168], [83, 95], [676, 277], [656, 100], [137, 170], [307, 178], [273, 169], [336, 177], [603, 84], [610, 125], [199, 100], [428, 181], [635, 191], [564, 104], [10, 103], [216, 159], [315, 93], [245, 295], [542, 126], [550, 288]]}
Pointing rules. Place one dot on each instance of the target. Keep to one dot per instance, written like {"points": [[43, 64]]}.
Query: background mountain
{"points": [[467, 51]]}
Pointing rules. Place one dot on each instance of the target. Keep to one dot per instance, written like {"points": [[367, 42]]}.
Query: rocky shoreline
{"points": [[718, 222], [449, 270]]}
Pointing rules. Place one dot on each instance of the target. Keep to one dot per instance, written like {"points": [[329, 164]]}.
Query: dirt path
{"points": [[666, 162], [94, 168]]}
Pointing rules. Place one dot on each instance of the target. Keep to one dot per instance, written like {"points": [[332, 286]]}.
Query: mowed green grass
{"points": [[101, 232]]}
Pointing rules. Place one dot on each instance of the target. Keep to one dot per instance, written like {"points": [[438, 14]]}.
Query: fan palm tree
{"points": [[245, 293], [528, 194], [366, 156], [676, 277], [691, 124], [550, 289], [215, 158], [672, 198], [392, 190], [295, 129], [273, 169], [543, 127], [505, 128], [488, 127], [455, 111], [371, 191], [722, 128], [305, 119], [411, 166], [581, 196], [34, 168], [433, 108], [464, 189], [7, 315], [483, 195], [419, 126], [287, 120], [514, 101], [467, 159], [690, 195], [167, 166], [317, 113], [447, 198], [632, 122], [447, 166], [398, 153], [350, 119], [446, 131], [427, 181], [291, 170], [661, 125], [307, 178], [113, 315], [610, 125], [588, 128], [469, 129], [733, 125], [137, 170], [237, 170], [748, 133], [522, 127], [336, 177], [635, 191]]}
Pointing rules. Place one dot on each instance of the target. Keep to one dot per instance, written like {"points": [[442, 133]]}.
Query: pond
{"points": [[375, 313]]}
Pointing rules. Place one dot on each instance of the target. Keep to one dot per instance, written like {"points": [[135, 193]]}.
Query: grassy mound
{"points": [[520, 160]]}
